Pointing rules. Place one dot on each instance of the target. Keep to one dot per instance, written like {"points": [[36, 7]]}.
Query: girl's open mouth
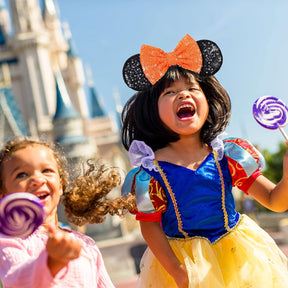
{"points": [[185, 111], [42, 195]]}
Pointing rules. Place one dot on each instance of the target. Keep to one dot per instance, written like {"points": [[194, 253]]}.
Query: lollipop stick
{"points": [[283, 133]]}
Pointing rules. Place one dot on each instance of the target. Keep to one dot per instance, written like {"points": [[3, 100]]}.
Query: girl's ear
{"points": [[61, 190], [212, 58]]}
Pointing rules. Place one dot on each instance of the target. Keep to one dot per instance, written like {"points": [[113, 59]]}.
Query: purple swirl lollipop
{"points": [[21, 214], [271, 113]]}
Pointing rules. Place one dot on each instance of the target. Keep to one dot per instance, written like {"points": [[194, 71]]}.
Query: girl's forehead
{"points": [[33, 147], [188, 78], [33, 152], [182, 79], [179, 77]]}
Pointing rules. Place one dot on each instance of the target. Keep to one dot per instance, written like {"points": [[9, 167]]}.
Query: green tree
{"points": [[274, 163]]}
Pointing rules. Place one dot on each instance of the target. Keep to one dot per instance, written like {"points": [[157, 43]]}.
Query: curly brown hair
{"points": [[87, 200], [85, 197]]}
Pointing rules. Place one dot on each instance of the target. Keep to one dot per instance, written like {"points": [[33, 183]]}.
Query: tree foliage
{"points": [[274, 163]]}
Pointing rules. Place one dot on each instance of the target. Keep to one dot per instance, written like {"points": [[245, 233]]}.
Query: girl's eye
{"points": [[21, 175], [193, 89], [168, 92], [47, 170]]}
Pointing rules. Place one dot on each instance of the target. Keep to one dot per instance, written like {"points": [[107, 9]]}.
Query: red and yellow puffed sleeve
{"points": [[150, 196], [245, 162]]}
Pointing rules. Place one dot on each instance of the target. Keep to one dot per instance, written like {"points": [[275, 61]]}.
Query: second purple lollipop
{"points": [[271, 113], [20, 214]]}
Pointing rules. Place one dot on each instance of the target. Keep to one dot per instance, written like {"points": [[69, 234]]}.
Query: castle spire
{"points": [[50, 9], [64, 106], [12, 122], [96, 107], [72, 52], [119, 107], [75, 76], [68, 126]]}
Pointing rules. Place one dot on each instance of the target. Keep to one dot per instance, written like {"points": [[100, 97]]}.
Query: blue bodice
{"points": [[197, 199]]}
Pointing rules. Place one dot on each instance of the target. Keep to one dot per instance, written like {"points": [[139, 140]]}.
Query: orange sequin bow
{"points": [[155, 62]]}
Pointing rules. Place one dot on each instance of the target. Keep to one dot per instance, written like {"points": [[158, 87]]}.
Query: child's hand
{"points": [[181, 277], [61, 249]]}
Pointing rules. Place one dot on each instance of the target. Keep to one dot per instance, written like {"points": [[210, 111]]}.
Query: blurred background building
{"points": [[45, 92]]}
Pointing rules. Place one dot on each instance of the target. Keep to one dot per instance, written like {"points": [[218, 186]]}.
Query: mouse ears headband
{"points": [[143, 70]]}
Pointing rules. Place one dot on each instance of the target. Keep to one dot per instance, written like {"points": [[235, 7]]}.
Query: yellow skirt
{"points": [[247, 257]]}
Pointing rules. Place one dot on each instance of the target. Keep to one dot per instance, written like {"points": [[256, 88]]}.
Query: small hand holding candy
{"points": [[62, 248], [271, 113], [20, 214]]}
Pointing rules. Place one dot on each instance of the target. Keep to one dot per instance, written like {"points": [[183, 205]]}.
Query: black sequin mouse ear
{"points": [[133, 74], [212, 58]]}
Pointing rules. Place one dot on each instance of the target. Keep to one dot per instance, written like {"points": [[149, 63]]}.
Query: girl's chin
{"points": [[45, 202]]}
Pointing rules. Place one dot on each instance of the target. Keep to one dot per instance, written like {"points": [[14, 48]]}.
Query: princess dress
{"points": [[219, 247]]}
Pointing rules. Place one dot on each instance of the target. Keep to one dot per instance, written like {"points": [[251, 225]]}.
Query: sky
{"points": [[252, 35]]}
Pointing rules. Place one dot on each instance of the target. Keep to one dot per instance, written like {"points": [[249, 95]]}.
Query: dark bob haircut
{"points": [[141, 120]]}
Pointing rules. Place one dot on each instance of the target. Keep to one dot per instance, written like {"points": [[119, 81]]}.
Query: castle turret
{"points": [[119, 108], [100, 126], [96, 108], [53, 26], [68, 126], [33, 78], [11, 119], [74, 76]]}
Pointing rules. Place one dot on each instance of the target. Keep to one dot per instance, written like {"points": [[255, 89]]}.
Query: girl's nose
{"points": [[183, 94], [37, 180]]}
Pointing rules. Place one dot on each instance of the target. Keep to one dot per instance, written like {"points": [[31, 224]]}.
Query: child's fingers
{"points": [[65, 243]]}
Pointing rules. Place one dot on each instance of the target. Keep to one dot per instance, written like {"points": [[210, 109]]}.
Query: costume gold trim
{"points": [[164, 178]]}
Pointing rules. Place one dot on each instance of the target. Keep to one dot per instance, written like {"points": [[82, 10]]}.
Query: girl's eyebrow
{"points": [[193, 82], [17, 167], [14, 170]]}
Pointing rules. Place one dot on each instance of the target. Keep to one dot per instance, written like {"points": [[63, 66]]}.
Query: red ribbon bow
{"points": [[155, 62]]}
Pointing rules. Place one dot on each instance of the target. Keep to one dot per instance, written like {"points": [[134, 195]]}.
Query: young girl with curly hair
{"points": [[53, 256]]}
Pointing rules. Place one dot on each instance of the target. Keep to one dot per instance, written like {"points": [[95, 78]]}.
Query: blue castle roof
{"points": [[71, 139], [2, 36], [9, 107], [72, 52], [96, 108], [64, 106]]}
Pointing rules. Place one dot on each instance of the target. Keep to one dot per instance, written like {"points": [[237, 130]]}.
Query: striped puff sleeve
{"points": [[150, 196], [245, 162]]}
